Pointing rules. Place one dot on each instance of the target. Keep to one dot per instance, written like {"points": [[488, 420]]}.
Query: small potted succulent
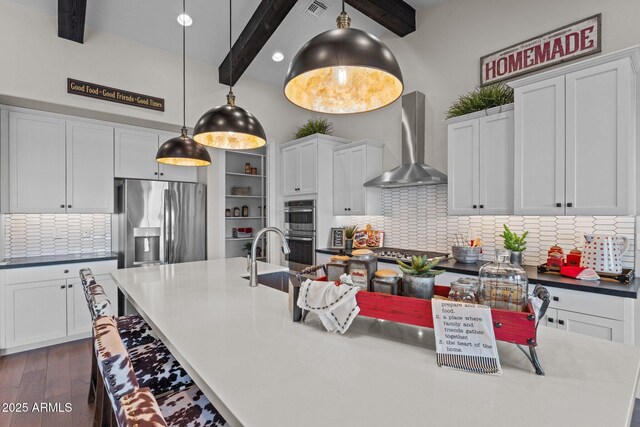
{"points": [[419, 278], [349, 232], [516, 244]]}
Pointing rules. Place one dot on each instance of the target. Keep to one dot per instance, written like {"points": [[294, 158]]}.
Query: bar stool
{"points": [[184, 408]]}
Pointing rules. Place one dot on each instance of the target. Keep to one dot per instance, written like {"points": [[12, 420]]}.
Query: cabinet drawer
{"points": [[587, 303], [59, 271]]}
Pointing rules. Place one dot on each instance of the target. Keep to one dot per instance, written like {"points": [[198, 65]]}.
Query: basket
{"points": [[466, 254], [241, 191]]}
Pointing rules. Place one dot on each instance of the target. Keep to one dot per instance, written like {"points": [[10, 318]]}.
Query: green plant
{"points": [[315, 125], [512, 241], [349, 231], [421, 266], [247, 248], [481, 99]]}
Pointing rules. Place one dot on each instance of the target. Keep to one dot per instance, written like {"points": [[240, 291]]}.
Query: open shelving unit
{"points": [[256, 201]]}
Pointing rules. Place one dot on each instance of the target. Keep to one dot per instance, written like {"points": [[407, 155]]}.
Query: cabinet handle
{"points": [[69, 206], [69, 286], [62, 286], [161, 173], [560, 322], [550, 319], [569, 205], [155, 173], [62, 206], [66, 271], [475, 206], [481, 206], [556, 298], [558, 205]]}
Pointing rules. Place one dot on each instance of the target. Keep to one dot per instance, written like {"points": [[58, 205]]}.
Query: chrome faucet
{"points": [[253, 263]]}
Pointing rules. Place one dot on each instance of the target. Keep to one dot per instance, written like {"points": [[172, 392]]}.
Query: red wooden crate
{"points": [[510, 326]]}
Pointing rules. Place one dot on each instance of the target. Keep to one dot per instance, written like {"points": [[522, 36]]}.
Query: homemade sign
{"points": [[337, 238], [464, 337], [92, 90], [564, 44]]}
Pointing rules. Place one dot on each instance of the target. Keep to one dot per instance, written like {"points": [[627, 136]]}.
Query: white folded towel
{"points": [[335, 305]]}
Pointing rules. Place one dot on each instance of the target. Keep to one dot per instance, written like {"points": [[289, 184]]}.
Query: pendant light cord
{"points": [[342, 6], [184, 68], [230, 51]]}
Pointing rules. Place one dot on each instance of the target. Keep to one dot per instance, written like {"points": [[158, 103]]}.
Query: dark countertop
{"points": [[551, 280], [40, 261]]}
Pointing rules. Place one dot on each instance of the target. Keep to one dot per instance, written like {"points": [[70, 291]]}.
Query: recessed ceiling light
{"points": [[185, 20], [277, 56]]}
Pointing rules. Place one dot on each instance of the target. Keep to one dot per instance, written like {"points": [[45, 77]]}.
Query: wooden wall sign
{"points": [[92, 90], [563, 44]]}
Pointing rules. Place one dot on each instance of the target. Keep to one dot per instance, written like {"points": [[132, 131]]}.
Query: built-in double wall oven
{"points": [[300, 229]]}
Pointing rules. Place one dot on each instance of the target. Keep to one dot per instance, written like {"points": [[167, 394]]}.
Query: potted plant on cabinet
{"points": [[349, 232], [314, 125], [419, 278], [481, 98], [516, 244]]}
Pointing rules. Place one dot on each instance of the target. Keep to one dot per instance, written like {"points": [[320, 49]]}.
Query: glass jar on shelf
{"points": [[503, 285], [464, 290]]}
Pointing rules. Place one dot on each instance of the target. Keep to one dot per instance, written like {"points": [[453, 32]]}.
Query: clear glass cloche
{"points": [[503, 285]]}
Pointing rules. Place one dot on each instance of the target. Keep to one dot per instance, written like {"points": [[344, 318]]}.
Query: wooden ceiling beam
{"points": [[395, 15], [263, 23], [71, 17]]}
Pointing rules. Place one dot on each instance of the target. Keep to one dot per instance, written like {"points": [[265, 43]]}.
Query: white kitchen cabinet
{"points": [[585, 324], [37, 175], [36, 312], [89, 168], [575, 138], [353, 165], [299, 163], [135, 154], [480, 160], [78, 317]]}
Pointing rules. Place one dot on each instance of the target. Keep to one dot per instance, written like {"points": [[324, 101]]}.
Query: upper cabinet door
{"points": [[341, 182], [176, 173], [357, 177], [89, 168], [600, 118], [539, 150], [36, 164], [308, 167], [136, 154], [463, 167], [290, 170], [496, 164]]}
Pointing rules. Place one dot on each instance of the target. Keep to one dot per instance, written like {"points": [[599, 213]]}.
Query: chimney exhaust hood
{"points": [[413, 171]]}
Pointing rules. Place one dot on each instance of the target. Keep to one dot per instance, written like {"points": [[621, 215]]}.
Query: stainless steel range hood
{"points": [[413, 171]]}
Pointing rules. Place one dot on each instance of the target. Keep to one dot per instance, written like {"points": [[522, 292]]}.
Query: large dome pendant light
{"points": [[343, 71], [182, 150], [229, 126]]}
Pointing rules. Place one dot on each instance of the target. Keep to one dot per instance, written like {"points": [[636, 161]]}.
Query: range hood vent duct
{"points": [[413, 171]]}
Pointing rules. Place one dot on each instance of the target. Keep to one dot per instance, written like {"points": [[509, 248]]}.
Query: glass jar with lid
{"points": [[464, 290], [503, 285]]}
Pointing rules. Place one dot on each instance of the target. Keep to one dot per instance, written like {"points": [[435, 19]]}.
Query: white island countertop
{"points": [[261, 369]]}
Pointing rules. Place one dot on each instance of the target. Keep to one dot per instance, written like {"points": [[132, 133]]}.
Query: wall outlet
{"points": [[58, 234]]}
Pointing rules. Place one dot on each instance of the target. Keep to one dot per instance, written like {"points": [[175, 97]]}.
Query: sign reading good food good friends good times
{"points": [[564, 44], [106, 93]]}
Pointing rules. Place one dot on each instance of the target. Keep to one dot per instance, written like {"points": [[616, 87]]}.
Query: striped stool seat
{"points": [[157, 369], [187, 408]]}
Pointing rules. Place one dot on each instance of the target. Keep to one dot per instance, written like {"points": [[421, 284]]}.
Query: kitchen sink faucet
{"points": [[253, 263]]}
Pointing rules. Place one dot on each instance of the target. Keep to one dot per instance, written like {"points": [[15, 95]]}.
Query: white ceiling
{"points": [[153, 22]]}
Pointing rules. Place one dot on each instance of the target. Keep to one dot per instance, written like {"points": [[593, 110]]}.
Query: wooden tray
{"points": [[626, 277]]}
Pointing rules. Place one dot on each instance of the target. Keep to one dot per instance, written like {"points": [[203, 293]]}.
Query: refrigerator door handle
{"points": [[166, 221]]}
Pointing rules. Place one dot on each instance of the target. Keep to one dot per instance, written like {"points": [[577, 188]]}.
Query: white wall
{"points": [[441, 59], [36, 63]]}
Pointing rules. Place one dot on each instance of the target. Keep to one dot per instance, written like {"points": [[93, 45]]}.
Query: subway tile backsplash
{"points": [[30, 235], [416, 217]]}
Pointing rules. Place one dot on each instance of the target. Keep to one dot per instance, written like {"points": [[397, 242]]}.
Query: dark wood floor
{"points": [[57, 374], [61, 374]]}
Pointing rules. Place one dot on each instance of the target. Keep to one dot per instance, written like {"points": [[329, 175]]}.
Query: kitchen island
{"points": [[261, 369]]}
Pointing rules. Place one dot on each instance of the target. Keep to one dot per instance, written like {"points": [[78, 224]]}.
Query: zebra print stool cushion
{"points": [[113, 361], [158, 369], [140, 409], [134, 331], [189, 408]]}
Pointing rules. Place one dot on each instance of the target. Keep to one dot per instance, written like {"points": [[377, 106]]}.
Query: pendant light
{"points": [[343, 71], [182, 150], [229, 126]]}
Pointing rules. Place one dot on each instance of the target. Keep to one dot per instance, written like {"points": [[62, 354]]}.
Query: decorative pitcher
{"points": [[604, 253]]}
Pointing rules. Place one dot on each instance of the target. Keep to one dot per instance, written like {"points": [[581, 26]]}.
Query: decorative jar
{"points": [[465, 290], [503, 285]]}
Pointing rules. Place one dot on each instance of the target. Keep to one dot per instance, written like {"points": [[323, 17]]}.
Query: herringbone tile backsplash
{"points": [[416, 218], [29, 235]]}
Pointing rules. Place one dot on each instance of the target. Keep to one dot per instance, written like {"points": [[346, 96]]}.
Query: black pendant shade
{"points": [[343, 71], [183, 151], [230, 127]]}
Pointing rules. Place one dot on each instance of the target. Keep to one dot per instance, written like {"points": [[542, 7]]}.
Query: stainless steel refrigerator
{"points": [[160, 222]]}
